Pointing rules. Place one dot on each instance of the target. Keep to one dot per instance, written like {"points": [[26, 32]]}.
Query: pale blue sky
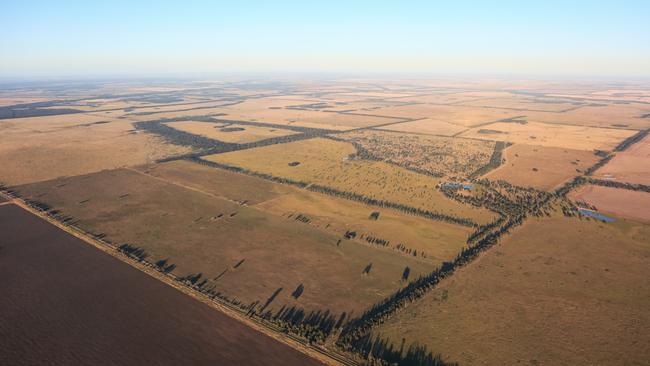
{"points": [[86, 38]]}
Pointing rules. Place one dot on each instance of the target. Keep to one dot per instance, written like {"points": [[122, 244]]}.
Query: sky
{"points": [[146, 38]]}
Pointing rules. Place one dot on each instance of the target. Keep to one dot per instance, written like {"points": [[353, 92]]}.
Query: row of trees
{"points": [[495, 160], [632, 140]]}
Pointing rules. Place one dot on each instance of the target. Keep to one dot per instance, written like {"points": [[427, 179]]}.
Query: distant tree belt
{"points": [[632, 140], [343, 194], [622, 185], [495, 160], [37, 109], [209, 146]]}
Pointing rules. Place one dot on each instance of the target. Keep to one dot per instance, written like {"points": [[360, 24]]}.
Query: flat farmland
{"points": [[430, 126], [612, 115], [434, 241], [464, 116], [630, 166], [327, 163], [541, 167], [275, 111], [433, 154], [616, 201], [557, 291], [42, 148], [64, 302], [243, 252], [543, 134], [526, 104], [229, 132]]}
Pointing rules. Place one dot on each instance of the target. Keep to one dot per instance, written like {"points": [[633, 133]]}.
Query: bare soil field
{"points": [[630, 166], [243, 252], [429, 126], [326, 162], [64, 302], [42, 148], [613, 115], [543, 134], [541, 167], [433, 154], [616, 201], [229, 132], [434, 241], [557, 291]]}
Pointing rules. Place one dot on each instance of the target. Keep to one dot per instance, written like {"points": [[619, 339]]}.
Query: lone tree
{"points": [[298, 291], [406, 273]]}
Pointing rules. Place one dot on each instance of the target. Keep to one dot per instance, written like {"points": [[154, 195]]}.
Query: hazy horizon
{"points": [[118, 39]]}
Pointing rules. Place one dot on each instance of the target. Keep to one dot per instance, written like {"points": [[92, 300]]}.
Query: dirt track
{"points": [[64, 302]]}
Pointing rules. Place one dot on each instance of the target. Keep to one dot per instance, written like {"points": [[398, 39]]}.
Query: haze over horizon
{"points": [[79, 39]]}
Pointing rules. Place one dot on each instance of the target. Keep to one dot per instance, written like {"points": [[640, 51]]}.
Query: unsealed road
{"points": [[63, 302]]}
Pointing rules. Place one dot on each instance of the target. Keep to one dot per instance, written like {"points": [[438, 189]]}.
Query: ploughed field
{"points": [[413, 221], [64, 302]]}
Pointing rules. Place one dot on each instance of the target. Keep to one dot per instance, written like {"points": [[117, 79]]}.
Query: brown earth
{"points": [[557, 291], [64, 302], [619, 202], [630, 166], [541, 167]]}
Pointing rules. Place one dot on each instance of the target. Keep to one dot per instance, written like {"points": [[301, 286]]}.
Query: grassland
{"points": [[275, 111], [229, 132], [417, 237], [326, 162], [557, 291], [542, 167], [458, 115], [42, 148], [430, 126], [234, 247], [564, 136]]}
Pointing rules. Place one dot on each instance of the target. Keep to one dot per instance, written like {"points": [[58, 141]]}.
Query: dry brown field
{"points": [[611, 115], [429, 126], [526, 104], [244, 252], [458, 115], [326, 162], [557, 291], [616, 201], [433, 154], [229, 133], [541, 167], [543, 134], [630, 166], [433, 241], [42, 148]]}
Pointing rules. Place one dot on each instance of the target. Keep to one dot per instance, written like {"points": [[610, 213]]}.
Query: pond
{"points": [[457, 185], [596, 215]]}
